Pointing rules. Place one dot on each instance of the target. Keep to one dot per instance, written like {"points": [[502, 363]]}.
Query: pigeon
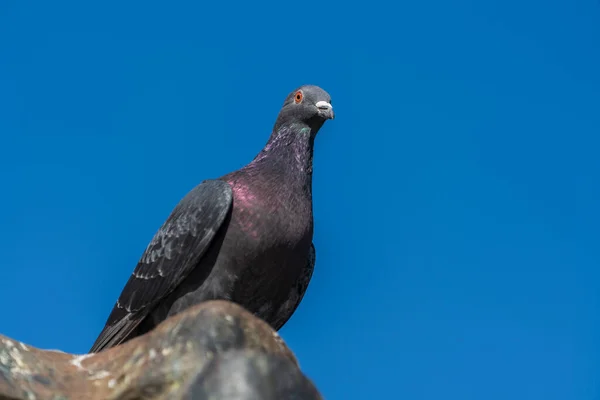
{"points": [[245, 237]]}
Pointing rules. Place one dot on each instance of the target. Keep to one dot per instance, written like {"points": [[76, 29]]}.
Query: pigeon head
{"points": [[308, 105]]}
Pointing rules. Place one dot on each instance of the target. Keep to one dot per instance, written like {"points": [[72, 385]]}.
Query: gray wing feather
{"points": [[297, 293], [174, 251]]}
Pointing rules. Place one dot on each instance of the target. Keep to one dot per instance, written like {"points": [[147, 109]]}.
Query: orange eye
{"points": [[298, 97]]}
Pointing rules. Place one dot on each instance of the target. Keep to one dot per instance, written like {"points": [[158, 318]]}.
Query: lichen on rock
{"points": [[215, 350]]}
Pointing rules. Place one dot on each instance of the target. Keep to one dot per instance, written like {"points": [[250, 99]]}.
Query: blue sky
{"points": [[455, 194]]}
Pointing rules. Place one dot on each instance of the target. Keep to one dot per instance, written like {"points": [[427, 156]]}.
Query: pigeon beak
{"points": [[325, 109]]}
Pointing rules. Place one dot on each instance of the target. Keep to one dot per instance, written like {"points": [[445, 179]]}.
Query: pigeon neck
{"points": [[289, 153]]}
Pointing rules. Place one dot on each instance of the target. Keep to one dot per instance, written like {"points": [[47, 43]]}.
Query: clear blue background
{"points": [[456, 193]]}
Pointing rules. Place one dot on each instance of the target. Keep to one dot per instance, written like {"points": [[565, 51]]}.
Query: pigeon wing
{"points": [[175, 250], [297, 293]]}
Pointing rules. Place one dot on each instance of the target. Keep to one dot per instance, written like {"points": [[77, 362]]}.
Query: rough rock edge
{"points": [[172, 361]]}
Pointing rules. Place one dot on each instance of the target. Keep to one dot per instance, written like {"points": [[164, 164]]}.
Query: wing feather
{"points": [[297, 292], [174, 251]]}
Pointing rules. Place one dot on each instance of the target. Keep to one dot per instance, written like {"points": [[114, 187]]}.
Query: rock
{"points": [[215, 350]]}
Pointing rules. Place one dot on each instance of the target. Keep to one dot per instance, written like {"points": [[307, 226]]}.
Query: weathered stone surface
{"points": [[215, 350]]}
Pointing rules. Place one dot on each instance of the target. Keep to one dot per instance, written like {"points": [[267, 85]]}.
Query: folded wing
{"points": [[173, 253]]}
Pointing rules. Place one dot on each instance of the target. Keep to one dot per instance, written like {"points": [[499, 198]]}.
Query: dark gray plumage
{"points": [[245, 237]]}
